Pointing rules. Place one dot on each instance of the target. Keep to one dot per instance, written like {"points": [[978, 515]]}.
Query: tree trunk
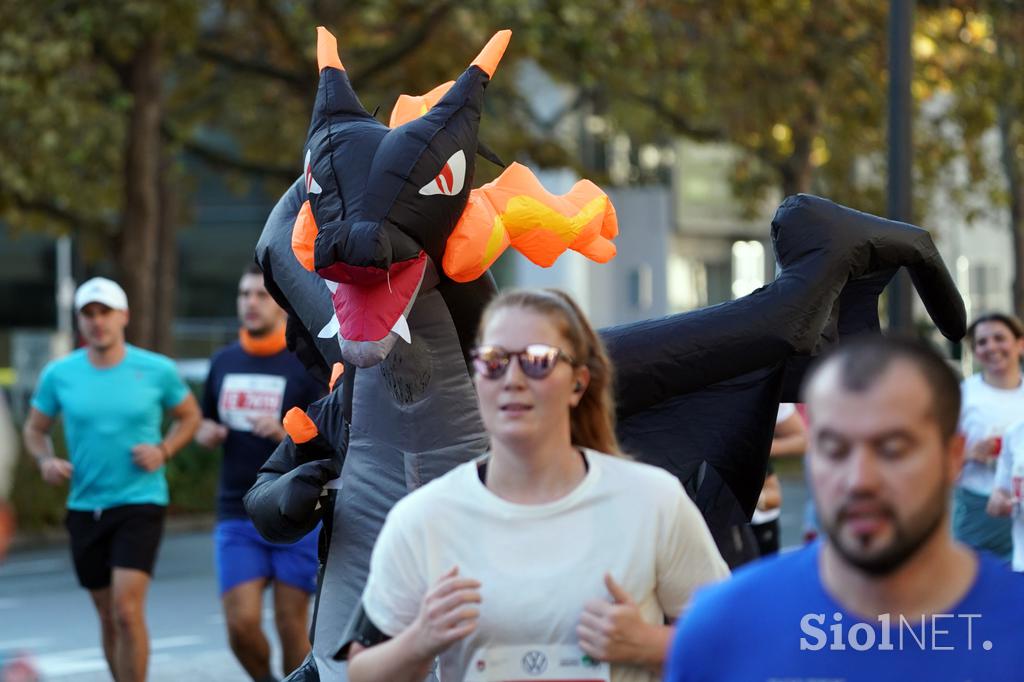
{"points": [[1008, 33], [166, 261], [139, 242], [1015, 187], [796, 171]]}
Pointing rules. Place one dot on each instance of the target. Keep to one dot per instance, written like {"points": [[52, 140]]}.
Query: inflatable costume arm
{"points": [[285, 502]]}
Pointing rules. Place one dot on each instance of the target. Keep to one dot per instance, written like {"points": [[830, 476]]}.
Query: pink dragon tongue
{"points": [[368, 309]]}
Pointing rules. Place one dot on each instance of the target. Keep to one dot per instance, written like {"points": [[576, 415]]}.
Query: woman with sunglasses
{"points": [[552, 555]]}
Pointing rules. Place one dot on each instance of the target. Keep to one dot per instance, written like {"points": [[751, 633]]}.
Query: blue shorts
{"points": [[243, 555]]}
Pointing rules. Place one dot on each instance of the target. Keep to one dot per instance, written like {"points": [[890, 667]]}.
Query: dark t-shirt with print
{"points": [[241, 387]]}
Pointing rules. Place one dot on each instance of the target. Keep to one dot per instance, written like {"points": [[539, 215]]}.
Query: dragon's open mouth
{"points": [[371, 302]]}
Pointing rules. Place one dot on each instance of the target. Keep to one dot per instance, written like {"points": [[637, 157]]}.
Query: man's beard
{"points": [[908, 537]]}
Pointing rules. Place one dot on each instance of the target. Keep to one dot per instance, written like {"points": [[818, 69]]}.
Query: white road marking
{"points": [[176, 642], [32, 567], [78, 661], [26, 644]]}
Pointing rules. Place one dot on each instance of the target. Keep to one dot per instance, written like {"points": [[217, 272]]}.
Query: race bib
{"points": [[550, 663], [244, 397]]}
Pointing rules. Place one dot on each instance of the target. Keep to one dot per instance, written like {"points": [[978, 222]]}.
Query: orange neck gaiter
{"points": [[271, 344]]}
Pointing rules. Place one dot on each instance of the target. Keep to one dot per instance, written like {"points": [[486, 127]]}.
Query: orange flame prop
{"points": [[516, 210]]}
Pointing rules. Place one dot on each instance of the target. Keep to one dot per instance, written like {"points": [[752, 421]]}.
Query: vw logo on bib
{"points": [[534, 662]]}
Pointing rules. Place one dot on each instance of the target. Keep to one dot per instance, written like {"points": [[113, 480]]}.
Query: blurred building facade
{"points": [[683, 244], [974, 238]]}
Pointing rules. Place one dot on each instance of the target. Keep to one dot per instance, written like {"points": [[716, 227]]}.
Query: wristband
{"points": [[163, 449]]}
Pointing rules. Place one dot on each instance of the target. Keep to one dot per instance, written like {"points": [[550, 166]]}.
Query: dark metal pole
{"points": [[901, 24]]}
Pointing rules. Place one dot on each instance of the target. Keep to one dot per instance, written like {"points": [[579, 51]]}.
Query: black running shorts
{"points": [[119, 537]]}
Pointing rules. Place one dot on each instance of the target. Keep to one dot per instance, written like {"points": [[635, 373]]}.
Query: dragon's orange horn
{"points": [[493, 51], [409, 107], [327, 50]]}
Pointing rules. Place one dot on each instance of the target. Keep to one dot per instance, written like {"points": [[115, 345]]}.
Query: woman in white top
{"points": [[546, 558], [1008, 491], [992, 401]]}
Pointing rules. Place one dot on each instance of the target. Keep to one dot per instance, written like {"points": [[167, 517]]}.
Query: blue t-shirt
{"points": [[773, 620], [241, 387], [107, 411]]}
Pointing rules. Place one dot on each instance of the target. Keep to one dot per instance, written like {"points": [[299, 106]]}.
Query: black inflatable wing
{"points": [[697, 392]]}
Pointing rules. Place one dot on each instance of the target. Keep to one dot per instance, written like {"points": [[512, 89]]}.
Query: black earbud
{"points": [[578, 388]]}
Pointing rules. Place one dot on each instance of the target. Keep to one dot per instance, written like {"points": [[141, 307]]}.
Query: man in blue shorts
{"points": [[887, 594], [251, 384], [113, 397]]}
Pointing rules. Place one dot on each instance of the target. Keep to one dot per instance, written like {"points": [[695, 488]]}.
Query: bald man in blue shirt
{"points": [[887, 594]]}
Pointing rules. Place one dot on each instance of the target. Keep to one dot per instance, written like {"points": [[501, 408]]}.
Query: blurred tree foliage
{"points": [[799, 86], [976, 52], [80, 108], [100, 102]]}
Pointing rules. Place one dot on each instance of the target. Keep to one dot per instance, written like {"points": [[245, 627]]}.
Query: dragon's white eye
{"points": [[451, 178], [311, 185]]}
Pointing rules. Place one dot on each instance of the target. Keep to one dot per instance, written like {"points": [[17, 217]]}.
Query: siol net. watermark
{"points": [[935, 632]]}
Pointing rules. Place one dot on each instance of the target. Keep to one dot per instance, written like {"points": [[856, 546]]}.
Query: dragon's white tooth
{"points": [[402, 329], [330, 329]]}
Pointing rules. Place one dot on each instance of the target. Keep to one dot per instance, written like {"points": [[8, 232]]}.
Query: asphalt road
{"points": [[44, 613]]}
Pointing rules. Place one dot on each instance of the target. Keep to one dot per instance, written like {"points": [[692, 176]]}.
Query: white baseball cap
{"points": [[101, 290]]}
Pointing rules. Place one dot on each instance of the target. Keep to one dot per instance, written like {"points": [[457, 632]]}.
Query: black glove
{"points": [[298, 492], [310, 444]]}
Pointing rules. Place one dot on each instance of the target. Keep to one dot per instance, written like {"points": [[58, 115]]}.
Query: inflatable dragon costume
{"points": [[380, 251]]}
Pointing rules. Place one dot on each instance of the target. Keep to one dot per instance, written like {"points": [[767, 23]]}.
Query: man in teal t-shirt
{"points": [[113, 398]]}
